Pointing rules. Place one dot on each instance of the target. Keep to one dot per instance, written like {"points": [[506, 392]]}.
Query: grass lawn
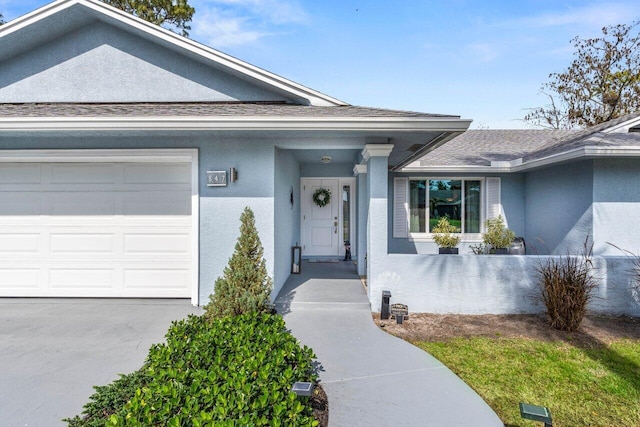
{"points": [[582, 385]]}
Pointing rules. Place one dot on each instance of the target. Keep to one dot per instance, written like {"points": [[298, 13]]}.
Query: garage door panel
{"points": [[157, 203], [81, 230], [83, 174], [82, 278], [20, 174], [157, 173], [16, 279], [20, 204], [153, 278], [25, 243], [83, 203], [86, 243], [156, 243]]}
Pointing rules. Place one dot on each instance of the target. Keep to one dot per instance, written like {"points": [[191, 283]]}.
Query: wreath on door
{"points": [[321, 197]]}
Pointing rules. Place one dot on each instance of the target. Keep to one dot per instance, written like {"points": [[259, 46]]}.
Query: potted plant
{"points": [[443, 235], [498, 237]]}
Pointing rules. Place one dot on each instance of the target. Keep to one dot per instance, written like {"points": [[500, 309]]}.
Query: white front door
{"points": [[321, 233]]}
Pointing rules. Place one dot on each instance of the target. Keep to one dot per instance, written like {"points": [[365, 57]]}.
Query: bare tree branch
{"points": [[601, 83]]}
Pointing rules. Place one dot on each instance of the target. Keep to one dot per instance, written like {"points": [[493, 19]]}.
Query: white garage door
{"points": [[96, 229]]}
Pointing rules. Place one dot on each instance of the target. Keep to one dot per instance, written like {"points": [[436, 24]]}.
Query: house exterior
{"points": [[554, 188], [127, 154]]}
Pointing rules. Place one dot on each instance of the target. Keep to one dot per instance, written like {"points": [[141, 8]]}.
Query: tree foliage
{"points": [[245, 285], [1, 19], [174, 14], [602, 82]]}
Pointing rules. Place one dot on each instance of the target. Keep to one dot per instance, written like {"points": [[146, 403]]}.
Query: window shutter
{"points": [[401, 207], [494, 204]]}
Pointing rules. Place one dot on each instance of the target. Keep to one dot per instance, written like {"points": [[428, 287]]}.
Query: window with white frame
{"points": [[419, 203], [456, 199]]}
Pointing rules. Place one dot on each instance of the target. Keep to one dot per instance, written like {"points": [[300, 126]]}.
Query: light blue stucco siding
{"points": [[377, 226], [123, 68], [493, 284], [616, 209], [287, 215], [559, 208]]}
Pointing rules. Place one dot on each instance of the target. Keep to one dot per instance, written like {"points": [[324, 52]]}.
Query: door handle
{"points": [[335, 227]]}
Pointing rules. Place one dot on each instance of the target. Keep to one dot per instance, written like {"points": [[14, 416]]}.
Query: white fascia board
{"points": [[455, 169], [623, 127], [517, 165], [36, 15], [134, 155], [294, 89], [392, 124], [587, 152]]}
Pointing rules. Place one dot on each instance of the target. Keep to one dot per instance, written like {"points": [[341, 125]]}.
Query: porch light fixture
{"points": [[325, 159], [302, 389], [536, 413]]}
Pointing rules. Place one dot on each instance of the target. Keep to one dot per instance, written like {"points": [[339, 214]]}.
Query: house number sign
{"points": [[216, 178], [399, 309]]}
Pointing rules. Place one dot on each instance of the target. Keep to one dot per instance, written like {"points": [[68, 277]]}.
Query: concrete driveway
{"points": [[53, 351]]}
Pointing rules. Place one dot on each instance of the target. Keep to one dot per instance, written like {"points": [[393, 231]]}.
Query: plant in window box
{"points": [[498, 237], [446, 237]]}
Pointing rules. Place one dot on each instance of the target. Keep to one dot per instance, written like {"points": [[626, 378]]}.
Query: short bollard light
{"points": [[302, 389], [536, 413]]}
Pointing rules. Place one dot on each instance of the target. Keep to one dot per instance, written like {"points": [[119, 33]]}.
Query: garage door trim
{"points": [[127, 156]]}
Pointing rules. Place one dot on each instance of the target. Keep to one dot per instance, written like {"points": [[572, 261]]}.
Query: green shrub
{"points": [[109, 400], [497, 236], [567, 283], [443, 233], [245, 286], [229, 371]]}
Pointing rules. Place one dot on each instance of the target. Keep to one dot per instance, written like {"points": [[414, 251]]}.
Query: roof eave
{"points": [[517, 165], [391, 124]]}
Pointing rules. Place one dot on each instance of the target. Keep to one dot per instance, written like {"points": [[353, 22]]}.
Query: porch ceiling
{"points": [[337, 156]]}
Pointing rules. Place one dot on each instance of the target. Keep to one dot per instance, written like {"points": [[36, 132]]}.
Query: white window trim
{"points": [[465, 237]]}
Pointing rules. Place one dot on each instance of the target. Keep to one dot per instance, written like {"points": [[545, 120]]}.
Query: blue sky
{"points": [[482, 60]]}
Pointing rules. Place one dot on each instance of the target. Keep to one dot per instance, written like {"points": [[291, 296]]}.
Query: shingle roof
{"points": [[481, 147], [203, 110], [592, 136]]}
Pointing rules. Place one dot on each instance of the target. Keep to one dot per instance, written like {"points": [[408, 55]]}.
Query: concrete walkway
{"points": [[53, 351], [371, 378]]}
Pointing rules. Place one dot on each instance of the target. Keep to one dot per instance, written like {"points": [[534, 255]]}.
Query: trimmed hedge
{"points": [[230, 371]]}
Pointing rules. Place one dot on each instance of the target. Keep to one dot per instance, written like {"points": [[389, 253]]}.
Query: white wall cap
{"points": [[358, 169], [376, 150]]}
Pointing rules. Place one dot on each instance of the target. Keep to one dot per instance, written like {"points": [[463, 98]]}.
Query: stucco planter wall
{"points": [[473, 284]]}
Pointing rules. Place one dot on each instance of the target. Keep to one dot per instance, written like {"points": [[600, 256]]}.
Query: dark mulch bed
{"points": [[320, 405], [594, 330]]}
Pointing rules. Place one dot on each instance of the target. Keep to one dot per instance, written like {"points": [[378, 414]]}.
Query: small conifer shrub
{"points": [[245, 286]]}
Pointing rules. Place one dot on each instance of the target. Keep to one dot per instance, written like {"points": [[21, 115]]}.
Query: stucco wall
{"points": [[616, 205], [491, 284], [558, 213], [220, 207], [124, 68], [287, 217]]}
